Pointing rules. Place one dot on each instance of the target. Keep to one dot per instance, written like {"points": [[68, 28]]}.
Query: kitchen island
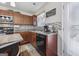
{"points": [[9, 44]]}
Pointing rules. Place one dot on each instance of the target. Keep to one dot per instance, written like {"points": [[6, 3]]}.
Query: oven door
{"points": [[41, 44]]}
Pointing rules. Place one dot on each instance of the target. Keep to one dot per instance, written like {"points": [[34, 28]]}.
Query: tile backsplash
{"points": [[57, 25], [18, 28]]}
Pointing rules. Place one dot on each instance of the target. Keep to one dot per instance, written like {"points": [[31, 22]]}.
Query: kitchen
{"points": [[30, 28]]}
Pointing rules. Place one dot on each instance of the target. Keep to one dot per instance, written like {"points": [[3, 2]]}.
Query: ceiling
{"points": [[26, 6]]}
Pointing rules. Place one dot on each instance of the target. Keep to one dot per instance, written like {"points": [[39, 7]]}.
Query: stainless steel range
{"points": [[6, 24]]}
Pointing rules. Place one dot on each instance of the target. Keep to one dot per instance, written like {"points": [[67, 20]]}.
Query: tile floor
{"points": [[27, 50]]}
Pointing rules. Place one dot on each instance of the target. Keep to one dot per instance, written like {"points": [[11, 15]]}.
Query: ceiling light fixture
{"points": [[12, 4]]}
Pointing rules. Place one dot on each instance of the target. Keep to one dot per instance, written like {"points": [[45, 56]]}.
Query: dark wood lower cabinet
{"points": [[26, 37], [33, 39], [51, 45], [50, 53]]}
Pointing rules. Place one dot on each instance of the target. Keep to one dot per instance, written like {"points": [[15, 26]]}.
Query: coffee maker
{"points": [[46, 28]]}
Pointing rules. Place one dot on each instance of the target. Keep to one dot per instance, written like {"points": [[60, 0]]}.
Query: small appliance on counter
{"points": [[46, 28]]}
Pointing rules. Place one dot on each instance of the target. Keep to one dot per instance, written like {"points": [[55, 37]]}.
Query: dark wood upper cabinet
{"points": [[10, 13], [22, 19], [34, 17], [6, 12], [27, 20], [18, 18]]}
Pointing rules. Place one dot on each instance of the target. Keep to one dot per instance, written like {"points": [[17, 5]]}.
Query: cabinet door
{"points": [[51, 45], [6, 12], [26, 37], [3, 12], [21, 19], [28, 20], [10, 13], [34, 20], [33, 40], [18, 18]]}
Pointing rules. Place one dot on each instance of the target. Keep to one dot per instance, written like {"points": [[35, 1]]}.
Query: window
{"points": [[41, 19]]}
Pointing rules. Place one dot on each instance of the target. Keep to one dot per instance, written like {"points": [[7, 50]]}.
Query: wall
{"points": [[49, 6]]}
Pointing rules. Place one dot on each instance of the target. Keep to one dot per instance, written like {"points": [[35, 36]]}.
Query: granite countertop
{"points": [[44, 33], [37, 31], [6, 40]]}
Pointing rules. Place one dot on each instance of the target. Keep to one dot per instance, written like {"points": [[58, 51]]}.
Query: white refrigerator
{"points": [[71, 29]]}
